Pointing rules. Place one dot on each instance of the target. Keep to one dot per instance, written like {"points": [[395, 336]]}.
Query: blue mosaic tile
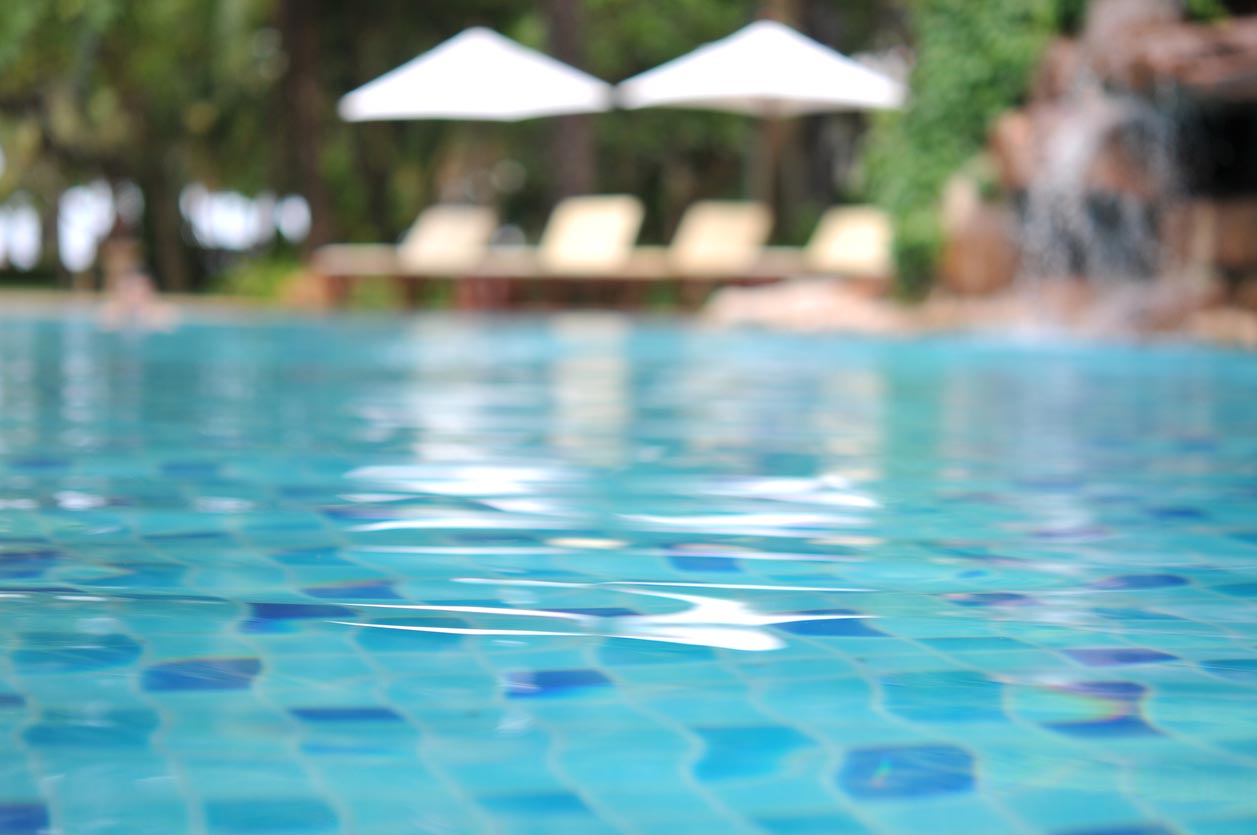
{"points": [[1106, 728], [1177, 513], [735, 752], [1239, 669], [23, 819], [944, 696], [1134, 829], [406, 640], [22, 565], [271, 816], [369, 590], [623, 652], [198, 537], [296, 611], [896, 772], [309, 556], [541, 805], [108, 730], [1118, 656], [976, 644], [194, 655], [73, 652], [1239, 589], [202, 674], [38, 463], [532, 684], [811, 825], [992, 598], [1139, 581], [836, 628], [346, 714], [682, 562], [1130, 615], [200, 470], [600, 611]]}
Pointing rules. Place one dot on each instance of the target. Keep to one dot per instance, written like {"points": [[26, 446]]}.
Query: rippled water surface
{"points": [[581, 575]]}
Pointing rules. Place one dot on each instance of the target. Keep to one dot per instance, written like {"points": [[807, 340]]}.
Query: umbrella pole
{"points": [[768, 161]]}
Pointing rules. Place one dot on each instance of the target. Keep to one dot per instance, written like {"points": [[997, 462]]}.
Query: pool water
{"points": [[584, 575]]}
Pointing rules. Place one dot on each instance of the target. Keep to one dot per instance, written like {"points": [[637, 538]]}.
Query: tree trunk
{"points": [[782, 10], [50, 237], [298, 24], [163, 233], [571, 137]]}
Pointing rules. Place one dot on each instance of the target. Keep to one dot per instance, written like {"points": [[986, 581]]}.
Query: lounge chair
{"points": [[716, 242], [446, 240], [716, 239], [587, 239], [849, 241]]}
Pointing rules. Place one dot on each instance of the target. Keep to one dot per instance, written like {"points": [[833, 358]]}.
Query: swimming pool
{"points": [[583, 575]]}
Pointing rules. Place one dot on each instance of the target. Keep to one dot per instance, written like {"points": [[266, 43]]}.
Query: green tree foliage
{"points": [[973, 61]]}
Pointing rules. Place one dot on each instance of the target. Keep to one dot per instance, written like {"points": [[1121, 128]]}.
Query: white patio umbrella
{"points": [[478, 75], [767, 70]]}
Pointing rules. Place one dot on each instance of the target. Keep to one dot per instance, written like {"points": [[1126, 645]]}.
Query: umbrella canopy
{"points": [[478, 75], [766, 69]]}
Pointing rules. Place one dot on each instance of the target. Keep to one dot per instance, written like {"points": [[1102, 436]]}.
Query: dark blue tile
{"points": [[112, 729], [26, 564], [72, 652], [346, 714], [199, 537], [202, 674], [833, 628], [1117, 656], [1132, 582], [533, 684], [23, 819], [366, 590], [746, 751], [42, 589], [1127, 724], [294, 611], [897, 772], [271, 816]]}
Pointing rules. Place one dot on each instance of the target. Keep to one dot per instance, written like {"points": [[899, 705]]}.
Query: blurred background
{"points": [[210, 126]]}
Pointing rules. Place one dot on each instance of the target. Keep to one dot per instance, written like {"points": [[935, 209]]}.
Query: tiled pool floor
{"points": [[584, 576]]}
